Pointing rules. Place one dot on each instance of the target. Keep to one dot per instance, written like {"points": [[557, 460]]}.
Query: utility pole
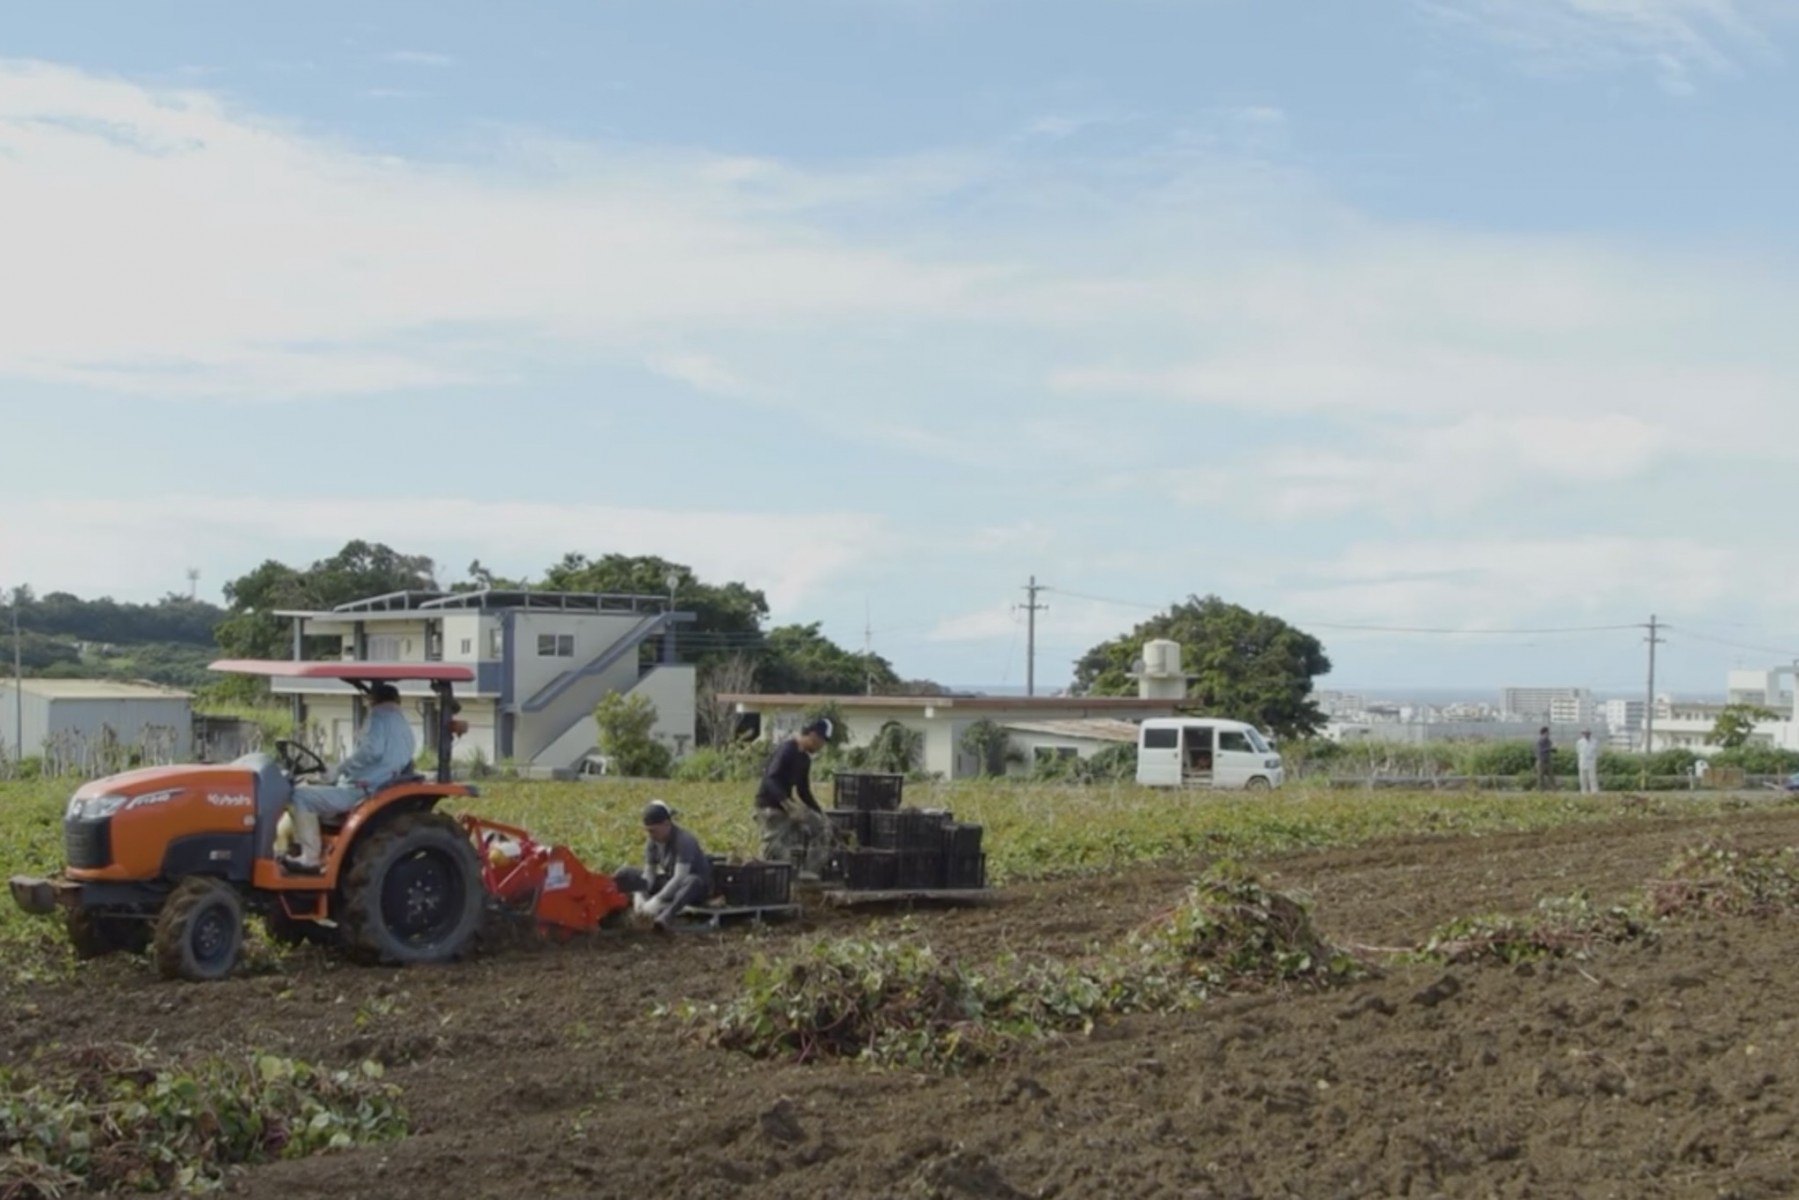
{"points": [[1031, 608], [868, 648], [1649, 709], [193, 583], [18, 686]]}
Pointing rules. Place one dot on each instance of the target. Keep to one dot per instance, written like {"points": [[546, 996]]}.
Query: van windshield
{"points": [[1255, 739]]}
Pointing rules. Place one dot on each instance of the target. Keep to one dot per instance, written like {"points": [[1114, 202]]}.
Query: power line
{"points": [[1417, 629]]}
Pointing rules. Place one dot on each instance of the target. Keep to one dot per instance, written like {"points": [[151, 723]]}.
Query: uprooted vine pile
{"points": [[899, 1004], [1711, 879], [119, 1118]]}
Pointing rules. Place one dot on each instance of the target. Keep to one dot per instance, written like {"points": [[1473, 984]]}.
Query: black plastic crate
{"points": [[961, 840], [907, 829], [851, 825], [965, 872], [757, 884], [920, 870], [871, 870], [872, 793]]}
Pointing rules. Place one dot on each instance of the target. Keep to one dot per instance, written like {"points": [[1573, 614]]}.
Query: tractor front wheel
{"points": [[200, 931], [95, 935], [413, 893]]}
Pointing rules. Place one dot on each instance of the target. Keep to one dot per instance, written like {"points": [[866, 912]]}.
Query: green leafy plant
{"points": [[625, 738], [1562, 925], [119, 1118]]}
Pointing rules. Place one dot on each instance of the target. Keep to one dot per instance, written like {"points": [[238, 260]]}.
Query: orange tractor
{"points": [[171, 859]]}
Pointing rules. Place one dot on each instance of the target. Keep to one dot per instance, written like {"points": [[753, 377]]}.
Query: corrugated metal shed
{"points": [[84, 724]]}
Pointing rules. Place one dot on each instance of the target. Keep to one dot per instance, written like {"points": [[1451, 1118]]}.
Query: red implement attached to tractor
{"points": [[547, 885]]}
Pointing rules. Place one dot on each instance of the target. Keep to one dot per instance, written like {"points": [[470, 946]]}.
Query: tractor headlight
{"points": [[94, 808]]}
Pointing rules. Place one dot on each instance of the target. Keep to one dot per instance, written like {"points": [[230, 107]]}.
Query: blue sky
{"points": [[1446, 314]]}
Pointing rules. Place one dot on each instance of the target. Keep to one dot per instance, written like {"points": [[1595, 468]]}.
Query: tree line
{"points": [[1241, 664]]}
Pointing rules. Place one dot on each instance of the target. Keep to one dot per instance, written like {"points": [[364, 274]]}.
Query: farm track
{"points": [[1664, 1070]]}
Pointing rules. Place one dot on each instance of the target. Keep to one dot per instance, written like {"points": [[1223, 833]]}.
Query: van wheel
{"points": [[1258, 784]]}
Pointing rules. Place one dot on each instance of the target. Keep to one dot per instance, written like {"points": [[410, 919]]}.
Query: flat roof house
{"points": [[1037, 725], [542, 662]]}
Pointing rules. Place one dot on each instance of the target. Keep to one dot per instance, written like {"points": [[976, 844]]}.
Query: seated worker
{"points": [[676, 873], [793, 825], [383, 753]]}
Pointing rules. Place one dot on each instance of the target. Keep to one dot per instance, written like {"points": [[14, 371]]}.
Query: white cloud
{"points": [[1674, 39], [301, 267], [1472, 583], [701, 372], [94, 547], [1442, 469]]}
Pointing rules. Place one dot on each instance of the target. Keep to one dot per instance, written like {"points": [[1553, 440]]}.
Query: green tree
{"points": [[801, 660], [1245, 665], [625, 738], [991, 746], [896, 750], [1737, 722], [727, 617], [360, 570]]}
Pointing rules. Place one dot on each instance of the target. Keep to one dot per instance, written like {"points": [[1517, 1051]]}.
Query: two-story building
{"points": [[542, 663]]}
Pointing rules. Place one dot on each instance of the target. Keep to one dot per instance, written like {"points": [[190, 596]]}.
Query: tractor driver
{"points": [[790, 824], [383, 753], [676, 873]]}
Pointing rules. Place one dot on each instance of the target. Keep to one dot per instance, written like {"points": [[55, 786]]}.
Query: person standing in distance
{"points": [[793, 825], [1545, 776], [1586, 753]]}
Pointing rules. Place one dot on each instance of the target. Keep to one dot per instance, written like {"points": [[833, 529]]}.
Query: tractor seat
{"points": [[334, 822]]}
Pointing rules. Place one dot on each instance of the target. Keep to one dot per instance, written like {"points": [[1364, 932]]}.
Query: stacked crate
{"points": [[857, 799], [913, 850]]}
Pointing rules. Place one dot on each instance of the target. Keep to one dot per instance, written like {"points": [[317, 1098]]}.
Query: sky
{"points": [[1456, 332]]}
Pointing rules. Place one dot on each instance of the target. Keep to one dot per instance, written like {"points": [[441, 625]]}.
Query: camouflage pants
{"points": [[803, 839]]}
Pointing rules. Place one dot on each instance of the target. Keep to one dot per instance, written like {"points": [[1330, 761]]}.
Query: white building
{"points": [[1624, 722], [1041, 725], [1547, 706], [542, 663], [72, 720]]}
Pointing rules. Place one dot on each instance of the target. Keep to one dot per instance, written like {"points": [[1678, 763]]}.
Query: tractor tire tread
{"points": [[170, 939], [362, 936]]}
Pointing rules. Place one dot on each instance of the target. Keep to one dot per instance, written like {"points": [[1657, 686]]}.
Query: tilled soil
{"points": [[1668, 1069]]}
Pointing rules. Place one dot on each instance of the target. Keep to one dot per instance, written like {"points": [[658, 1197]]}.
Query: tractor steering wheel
{"points": [[294, 758]]}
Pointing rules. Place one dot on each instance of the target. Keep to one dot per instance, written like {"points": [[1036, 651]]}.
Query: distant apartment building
{"points": [[1760, 688], [1550, 706], [1624, 721]]}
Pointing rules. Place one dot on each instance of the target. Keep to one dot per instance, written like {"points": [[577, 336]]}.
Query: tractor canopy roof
{"points": [[277, 668]]}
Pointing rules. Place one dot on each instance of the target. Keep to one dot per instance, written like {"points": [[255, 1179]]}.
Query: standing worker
{"points": [[676, 873], [1545, 780], [792, 822], [1586, 753]]}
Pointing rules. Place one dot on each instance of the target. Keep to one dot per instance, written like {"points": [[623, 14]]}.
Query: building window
{"points": [[385, 648], [496, 642], [555, 645], [468, 645]]}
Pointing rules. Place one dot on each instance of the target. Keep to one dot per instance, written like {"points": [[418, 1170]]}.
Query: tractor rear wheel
{"points": [[200, 931], [95, 935], [413, 893]]}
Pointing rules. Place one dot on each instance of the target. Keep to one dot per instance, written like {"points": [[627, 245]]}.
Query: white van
{"points": [[1205, 752]]}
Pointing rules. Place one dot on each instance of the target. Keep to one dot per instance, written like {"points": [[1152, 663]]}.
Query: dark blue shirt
{"points": [[789, 772]]}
